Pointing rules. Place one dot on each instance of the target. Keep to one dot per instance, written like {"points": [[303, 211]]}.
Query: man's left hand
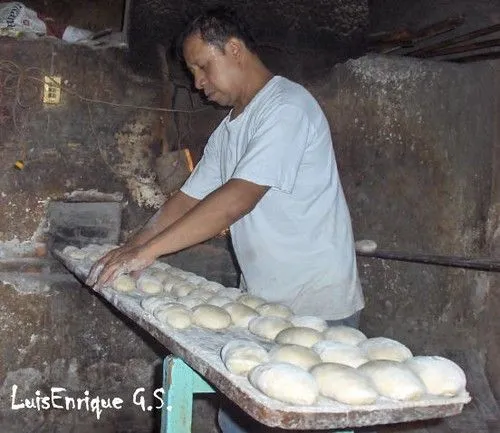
{"points": [[134, 259]]}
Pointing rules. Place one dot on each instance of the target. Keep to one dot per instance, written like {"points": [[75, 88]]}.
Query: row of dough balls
{"points": [[181, 298], [215, 310], [298, 375], [175, 297], [208, 304], [157, 279], [88, 254]]}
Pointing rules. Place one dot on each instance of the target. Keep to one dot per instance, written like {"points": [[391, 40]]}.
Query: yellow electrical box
{"points": [[51, 89]]}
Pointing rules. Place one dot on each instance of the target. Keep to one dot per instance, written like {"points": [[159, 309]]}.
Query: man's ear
{"points": [[234, 47]]}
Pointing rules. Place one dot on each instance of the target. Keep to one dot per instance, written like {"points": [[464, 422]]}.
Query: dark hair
{"points": [[216, 26]]}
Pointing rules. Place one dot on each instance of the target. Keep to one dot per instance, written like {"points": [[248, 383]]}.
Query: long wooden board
{"points": [[200, 349]]}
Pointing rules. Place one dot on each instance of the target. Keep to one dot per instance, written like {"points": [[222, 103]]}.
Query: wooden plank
{"points": [[423, 52], [390, 42], [200, 349], [476, 57], [465, 48], [406, 35]]}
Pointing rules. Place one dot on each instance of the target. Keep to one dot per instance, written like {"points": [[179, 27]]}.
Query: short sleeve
{"points": [[275, 150], [206, 176]]}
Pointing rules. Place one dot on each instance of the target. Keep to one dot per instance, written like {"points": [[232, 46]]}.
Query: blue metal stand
{"points": [[180, 383]]}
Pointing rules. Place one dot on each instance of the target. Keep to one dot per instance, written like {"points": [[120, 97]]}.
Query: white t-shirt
{"points": [[296, 246]]}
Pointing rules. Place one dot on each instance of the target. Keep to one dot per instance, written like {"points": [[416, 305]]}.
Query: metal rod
{"points": [[489, 265]]}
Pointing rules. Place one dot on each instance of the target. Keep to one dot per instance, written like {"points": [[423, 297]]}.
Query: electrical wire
{"points": [[20, 75], [20, 88]]}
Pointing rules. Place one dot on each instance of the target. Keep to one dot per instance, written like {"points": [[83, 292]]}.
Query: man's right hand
{"points": [[98, 266]]}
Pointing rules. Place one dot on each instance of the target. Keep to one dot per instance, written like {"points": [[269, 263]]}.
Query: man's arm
{"points": [[217, 211], [209, 217], [173, 209]]}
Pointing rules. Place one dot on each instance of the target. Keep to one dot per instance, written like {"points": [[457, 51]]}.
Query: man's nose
{"points": [[199, 80]]}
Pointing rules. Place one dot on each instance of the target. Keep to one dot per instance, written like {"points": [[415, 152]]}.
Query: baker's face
{"points": [[215, 72]]}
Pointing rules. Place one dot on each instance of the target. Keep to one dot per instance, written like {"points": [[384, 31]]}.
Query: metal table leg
{"points": [[180, 383]]}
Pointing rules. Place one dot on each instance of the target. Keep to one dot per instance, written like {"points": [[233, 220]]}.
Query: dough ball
{"points": [[440, 375], [393, 379], [240, 356], [340, 353], [69, 249], [300, 356], [344, 334], [176, 272], [231, 292], [177, 316], [180, 289], [162, 266], [124, 283], [75, 253], [285, 382], [300, 335], [273, 309], [385, 348], [251, 301], [191, 301], [344, 384], [240, 314], [172, 281], [211, 317], [165, 306], [219, 300], [190, 277], [213, 286], [149, 284], [202, 293], [94, 256], [268, 327], [309, 322], [196, 280], [366, 246], [160, 275], [153, 302]]}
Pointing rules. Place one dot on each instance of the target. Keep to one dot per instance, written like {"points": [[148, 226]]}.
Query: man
{"points": [[269, 173]]}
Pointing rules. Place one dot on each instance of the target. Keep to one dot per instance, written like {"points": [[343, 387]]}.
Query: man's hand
{"points": [[123, 261], [98, 266]]}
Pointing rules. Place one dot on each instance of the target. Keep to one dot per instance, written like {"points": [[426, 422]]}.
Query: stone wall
{"points": [[56, 333], [415, 142], [387, 15], [417, 147]]}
